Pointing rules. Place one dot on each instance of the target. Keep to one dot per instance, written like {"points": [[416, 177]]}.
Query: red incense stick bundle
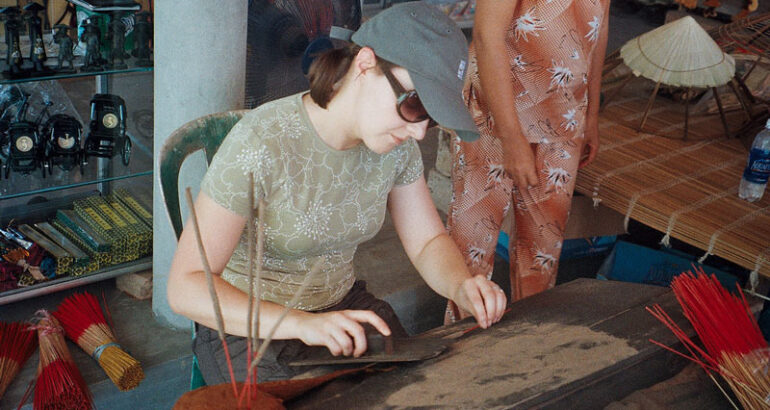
{"points": [[82, 319], [17, 342], [59, 382], [734, 345]]}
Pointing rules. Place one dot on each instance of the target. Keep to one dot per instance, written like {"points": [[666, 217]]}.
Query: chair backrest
{"points": [[205, 133]]}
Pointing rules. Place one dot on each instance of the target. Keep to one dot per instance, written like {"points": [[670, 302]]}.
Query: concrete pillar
{"points": [[200, 61]]}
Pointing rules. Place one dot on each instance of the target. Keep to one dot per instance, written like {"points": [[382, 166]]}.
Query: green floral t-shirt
{"points": [[321, 202]]}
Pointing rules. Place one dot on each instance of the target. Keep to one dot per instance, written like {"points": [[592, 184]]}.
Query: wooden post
{"points": [[721, 111], [649, 105], [610, 64], [746, 91], [753, 66], [686, 111], [616, 91], [734, 87]]}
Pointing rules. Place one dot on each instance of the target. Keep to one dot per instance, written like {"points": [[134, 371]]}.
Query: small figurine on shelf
{"points": [[26, 147], [142, 38], [107, 128], [92, 37], [66, 45], [116, 37], [35, 32], [12, 27], [63, 134]]}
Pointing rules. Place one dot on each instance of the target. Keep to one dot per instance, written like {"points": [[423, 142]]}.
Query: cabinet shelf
{"points": [[74, 281], [61, 76], [18, 185]]}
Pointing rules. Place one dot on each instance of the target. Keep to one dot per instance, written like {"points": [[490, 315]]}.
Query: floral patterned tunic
{"points": [[549, 50], [549, 45]]}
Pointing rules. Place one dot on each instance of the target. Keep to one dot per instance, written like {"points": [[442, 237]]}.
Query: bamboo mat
{"points": [[685, 189]]}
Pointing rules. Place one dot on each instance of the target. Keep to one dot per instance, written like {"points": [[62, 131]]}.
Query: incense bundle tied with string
{"points": [[82, 319], [59, 382], [17, 343]]}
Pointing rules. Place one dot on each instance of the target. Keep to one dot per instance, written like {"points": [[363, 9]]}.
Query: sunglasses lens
{"points": [[411, 108]]}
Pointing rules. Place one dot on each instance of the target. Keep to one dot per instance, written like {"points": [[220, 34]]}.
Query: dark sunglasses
{"points": [[408, 104]]}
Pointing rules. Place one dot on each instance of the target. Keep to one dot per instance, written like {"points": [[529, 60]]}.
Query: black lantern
{"points": [[107, 129], [63, 135]]}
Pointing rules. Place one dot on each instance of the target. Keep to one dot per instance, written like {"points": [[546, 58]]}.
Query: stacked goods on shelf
{"points": [[63, 259], [9, 275], [83, 263], [23, 261], [93, 243], [97, 233], [116, 228], [135, 225], [136, 205], [135, 234], [17, 343], [108, 228]]}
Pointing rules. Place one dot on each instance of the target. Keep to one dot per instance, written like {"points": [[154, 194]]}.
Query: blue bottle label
{"points": [[758, 168]]}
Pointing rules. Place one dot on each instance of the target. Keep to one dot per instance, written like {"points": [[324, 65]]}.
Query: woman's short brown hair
{"points": [[328, 68]]}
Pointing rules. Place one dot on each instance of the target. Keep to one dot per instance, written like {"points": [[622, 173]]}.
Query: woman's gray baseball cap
{"points": [[432, 48]]}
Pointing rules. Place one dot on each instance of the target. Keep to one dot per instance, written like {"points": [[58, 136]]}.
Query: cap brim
{"points": [[445, 106]]}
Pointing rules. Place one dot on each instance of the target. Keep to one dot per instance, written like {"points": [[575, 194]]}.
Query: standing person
{"points": [[328, 163], [533, 91]]}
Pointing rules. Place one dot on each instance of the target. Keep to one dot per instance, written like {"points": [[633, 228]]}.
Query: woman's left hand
{"points": [[590, 146], [483, 299]]}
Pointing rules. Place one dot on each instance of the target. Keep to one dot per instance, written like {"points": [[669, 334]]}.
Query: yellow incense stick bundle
{"points": [[82, 319]]}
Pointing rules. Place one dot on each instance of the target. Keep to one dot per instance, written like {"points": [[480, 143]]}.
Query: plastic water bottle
{"points": [[758, 167]]}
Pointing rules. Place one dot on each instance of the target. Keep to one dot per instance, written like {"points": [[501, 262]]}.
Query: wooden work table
{"points": [[583, 344]]}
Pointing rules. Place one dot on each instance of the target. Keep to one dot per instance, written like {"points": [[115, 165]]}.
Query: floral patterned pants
{"points": [[482, 196]]}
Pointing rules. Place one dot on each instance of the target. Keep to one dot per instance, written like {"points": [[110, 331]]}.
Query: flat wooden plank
{"points": [[580, 345]]}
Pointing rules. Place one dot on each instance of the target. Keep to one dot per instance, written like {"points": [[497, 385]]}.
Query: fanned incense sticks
{"points": [[82, 319], [250, 390], [17, 343], [734, 345], [59, 382]]}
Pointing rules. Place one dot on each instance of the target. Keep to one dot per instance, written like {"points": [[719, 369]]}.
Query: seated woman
{"points": [[328, 163]]}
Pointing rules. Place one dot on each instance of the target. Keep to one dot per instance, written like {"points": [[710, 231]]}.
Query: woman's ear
{"points": [[364, 60]]}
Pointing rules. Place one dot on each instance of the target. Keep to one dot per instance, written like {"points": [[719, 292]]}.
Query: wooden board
{"points": [[580, 345]]}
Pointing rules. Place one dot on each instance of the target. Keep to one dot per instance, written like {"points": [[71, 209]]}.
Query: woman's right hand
{"points": [[340, 331], [519, 162]]}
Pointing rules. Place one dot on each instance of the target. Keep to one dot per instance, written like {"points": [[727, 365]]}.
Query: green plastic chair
{"points": [[206, 134]]}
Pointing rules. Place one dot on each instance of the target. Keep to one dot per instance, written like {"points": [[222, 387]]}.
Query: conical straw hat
{"points": [[679, 53]]}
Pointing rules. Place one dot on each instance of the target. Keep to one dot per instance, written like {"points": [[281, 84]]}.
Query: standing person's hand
{"points": [[590, 145], [519, 162], [483, 299]]}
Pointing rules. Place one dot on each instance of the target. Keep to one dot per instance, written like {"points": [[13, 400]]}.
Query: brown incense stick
{"points": [[210, 283], [258, 274], [250, 263], [292, 304]]}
